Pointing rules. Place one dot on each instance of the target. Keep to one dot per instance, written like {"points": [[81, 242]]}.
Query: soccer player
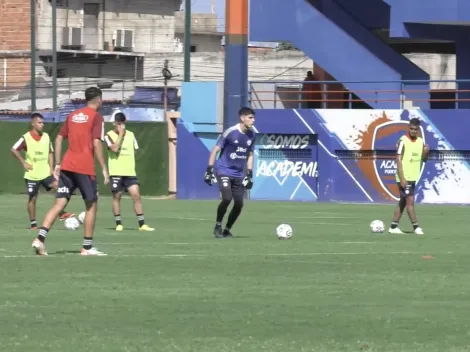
{"points": [[411, 152], [37, 164], [121, 162], [236, 153], [84, 129]]}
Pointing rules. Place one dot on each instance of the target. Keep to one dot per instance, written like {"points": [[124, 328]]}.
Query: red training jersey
{"points": [[81, 128]]}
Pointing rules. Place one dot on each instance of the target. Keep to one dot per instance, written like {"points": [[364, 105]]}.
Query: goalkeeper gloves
{"points": [[209, 177], [248, 180]]}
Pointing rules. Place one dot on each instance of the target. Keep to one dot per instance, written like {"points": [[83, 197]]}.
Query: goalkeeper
{"points": [[236, 152]]}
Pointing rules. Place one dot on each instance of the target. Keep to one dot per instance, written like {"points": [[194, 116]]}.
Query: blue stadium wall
{"points": [[313, 155]]}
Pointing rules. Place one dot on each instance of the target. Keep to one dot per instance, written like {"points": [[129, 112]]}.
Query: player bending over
{"points": [[236, 152], [37, 163], [121, 162], [411, 151], [84, 129]]}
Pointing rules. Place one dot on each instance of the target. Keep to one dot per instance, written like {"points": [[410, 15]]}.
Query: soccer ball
{"points": [[81, 217], [284, 232], [377, 226], [71, 223]]}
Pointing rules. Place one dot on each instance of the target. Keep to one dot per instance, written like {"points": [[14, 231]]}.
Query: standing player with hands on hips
{"points": [[84, 129], [236, 152], [121, 162], [411, 152]]}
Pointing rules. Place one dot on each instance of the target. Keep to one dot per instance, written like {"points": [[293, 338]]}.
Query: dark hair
{"points": [[92, 93], [36, 114], [415, 122], [120, 117], [246, 111]]}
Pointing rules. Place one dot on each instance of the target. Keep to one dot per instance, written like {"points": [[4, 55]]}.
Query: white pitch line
{"points": [[312, 254]]}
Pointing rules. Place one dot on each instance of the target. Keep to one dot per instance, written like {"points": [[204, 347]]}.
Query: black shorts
{"points": [[122, 183], [32, 187], [234, 185], [70, 181], [408, 191]]}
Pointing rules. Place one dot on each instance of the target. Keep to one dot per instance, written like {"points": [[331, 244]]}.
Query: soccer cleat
{"points": [[92, 251], [39, 247], [419, 231], [395, 231], [64, 216], [227, 233], [119, 228], [218, 232], [146, 227]]}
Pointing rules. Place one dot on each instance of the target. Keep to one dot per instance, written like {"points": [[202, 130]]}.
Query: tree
{"points": [[286, 46]]}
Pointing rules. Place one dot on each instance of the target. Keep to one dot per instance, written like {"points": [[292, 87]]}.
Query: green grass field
{"points": [[333, 287]]}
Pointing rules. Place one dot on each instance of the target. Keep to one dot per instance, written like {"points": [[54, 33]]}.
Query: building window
{"points": [[193, 48]]}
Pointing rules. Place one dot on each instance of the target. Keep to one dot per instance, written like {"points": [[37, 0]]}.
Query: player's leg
{"points": [[132, 185], [64, 191], [226, 195], [117, 210], [32, 189], [116, 190], [89, 190], [398, 211], [51, 183], [410, 208], [238, 193]]}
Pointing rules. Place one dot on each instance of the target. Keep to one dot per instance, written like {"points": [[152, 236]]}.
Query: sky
{"points": [[219, 5]]}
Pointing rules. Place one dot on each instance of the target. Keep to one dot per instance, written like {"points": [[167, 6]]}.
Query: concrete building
{"points": [[205, 36]]}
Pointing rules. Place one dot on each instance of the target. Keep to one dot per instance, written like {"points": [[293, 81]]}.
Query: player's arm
{"points": [[249, 162], [15, 150], [113, 145], [97, 134], [213, 156], [425, 155], [399, 157], [217, 148], [63, 133], [136, 145], [51, 158]]}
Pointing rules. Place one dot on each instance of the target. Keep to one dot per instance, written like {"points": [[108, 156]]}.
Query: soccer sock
{"points": [[415, 225], [233, 216], [87, 242], [140, 219], [118, 219], [218, 224], [221, 210], [42, 234], [394, 224], [34, 223]]}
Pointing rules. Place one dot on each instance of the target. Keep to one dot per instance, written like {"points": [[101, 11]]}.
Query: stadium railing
{"points": [[444, 94]]}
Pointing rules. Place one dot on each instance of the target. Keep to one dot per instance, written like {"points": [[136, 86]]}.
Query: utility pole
{"points": [[32, 12], [171, 126], [54, 54], [187, 40]]}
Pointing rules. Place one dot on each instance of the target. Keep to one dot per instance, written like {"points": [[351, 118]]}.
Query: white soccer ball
{"points": [[71, 223], [81, 217], [284, 232], [377, 226]]}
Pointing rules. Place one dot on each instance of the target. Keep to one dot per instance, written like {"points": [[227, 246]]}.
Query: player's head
{"points": [[413, 127], [247, 117], [119, 119], [37, 121], [94, 97]]}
